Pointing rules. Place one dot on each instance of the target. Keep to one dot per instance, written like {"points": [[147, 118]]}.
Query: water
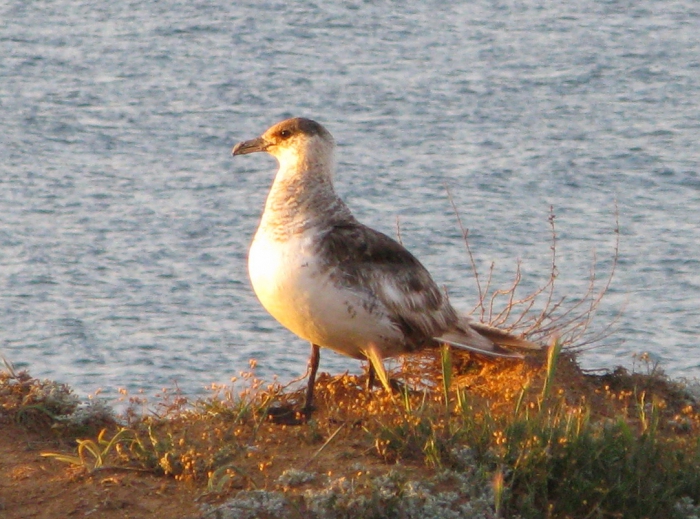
{"points": [[125, 223]]}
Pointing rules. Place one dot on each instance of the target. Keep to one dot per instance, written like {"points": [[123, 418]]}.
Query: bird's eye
{"points": [[285, 133]]}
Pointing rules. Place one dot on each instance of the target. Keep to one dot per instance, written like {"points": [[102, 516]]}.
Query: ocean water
{"points": [[125, 223]]}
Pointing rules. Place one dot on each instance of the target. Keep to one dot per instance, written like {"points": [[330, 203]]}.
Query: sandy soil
{"points": [[35, 487]]}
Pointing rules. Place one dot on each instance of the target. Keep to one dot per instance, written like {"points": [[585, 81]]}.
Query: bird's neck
{"points": [[302, 197]]}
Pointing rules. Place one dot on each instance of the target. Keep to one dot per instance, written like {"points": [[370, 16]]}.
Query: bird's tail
{"points": [[485, 339]]}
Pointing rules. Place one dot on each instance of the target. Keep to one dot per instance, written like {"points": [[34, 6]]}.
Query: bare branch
{"points": [[569, 320]]}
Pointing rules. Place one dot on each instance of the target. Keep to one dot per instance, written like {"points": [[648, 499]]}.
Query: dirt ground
{"points": [[35, 487]]}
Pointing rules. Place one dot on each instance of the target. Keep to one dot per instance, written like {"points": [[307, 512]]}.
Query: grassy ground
{"points": [[463, 438]]}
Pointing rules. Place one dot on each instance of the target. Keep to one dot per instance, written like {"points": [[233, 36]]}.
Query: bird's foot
{"points": [[287, 414], [396, 385]]}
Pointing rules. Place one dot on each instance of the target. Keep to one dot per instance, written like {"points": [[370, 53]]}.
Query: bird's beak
{"points": [[251, 146]]}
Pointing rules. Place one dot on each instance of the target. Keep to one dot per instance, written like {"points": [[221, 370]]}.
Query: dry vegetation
{"points": [[461, 436]]}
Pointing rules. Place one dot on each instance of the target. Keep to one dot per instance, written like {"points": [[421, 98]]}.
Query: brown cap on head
{"points": [[282, 132]]}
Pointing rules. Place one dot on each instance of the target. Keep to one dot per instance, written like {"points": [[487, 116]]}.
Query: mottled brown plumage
{"points": [[362, 259]]}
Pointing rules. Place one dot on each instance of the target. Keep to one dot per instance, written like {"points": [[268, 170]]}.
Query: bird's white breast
{"points": [[301, 294], [278, 271]]}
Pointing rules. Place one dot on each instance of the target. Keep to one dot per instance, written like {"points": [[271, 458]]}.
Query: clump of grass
{"points": [[572, 467], [202, 441], [48, 405], [551, 457], [34, 403], [93, 454]]}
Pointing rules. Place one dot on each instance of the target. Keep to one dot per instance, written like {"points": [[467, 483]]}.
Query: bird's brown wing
{"points": [[392, 280]]}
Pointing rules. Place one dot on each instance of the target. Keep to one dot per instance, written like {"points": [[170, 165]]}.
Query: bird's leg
{"points": [[313, 368], [371, 377], [285, 414]]}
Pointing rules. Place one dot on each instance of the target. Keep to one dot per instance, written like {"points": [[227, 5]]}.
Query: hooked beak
{"points": [[251, 146]]}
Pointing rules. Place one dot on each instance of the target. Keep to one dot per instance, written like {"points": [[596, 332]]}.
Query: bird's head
{"points": [[292, 142]]}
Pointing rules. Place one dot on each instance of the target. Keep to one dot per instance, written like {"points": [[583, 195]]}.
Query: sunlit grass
{"points": [[535, 440]]}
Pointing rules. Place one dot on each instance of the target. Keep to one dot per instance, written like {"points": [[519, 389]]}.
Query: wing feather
{"points": [[390, 277], [395, 284]]}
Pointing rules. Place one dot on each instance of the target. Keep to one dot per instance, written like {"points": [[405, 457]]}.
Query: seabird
{"points": [[336, 282]]}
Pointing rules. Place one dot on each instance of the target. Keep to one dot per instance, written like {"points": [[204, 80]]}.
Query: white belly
{"points": [[291, 286]]}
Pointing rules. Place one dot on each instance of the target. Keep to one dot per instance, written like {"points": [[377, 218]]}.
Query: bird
{"points": [[340, 284]]}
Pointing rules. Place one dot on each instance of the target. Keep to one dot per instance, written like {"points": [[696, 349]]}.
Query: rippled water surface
{"points": [[125, 223]]}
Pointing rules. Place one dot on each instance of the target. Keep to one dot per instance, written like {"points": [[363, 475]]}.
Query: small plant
{"points": [[553, 353], [93, 454], [38, 404], [543, 314]]}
